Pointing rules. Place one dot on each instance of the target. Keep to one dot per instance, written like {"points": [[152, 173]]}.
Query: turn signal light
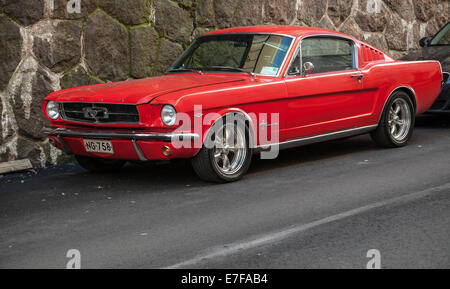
{"points": [[166, 151], [52, 142]]}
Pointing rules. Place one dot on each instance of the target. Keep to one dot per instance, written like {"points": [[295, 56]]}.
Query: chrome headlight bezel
{"points": [[168, 115], [52, 110]]}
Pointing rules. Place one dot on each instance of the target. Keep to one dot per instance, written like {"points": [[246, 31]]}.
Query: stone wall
{"points": [[47, 45]]}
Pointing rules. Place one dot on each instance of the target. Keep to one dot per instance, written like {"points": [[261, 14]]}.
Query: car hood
{"points": [[143, 90], [439, 53]]}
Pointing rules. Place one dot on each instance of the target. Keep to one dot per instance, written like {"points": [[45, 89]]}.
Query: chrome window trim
{"points": [[355, 56], [242, 33]]}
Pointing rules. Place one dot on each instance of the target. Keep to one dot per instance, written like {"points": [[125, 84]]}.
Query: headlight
{"points": [[169, 115], [52, 110]]}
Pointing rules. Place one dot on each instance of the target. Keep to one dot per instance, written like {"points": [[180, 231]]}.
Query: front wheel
{"points": [[228, 157], [397, 122], [99, 165]]}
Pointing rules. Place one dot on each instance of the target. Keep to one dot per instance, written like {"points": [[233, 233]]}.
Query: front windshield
{"points": [[252, 53], [442, 38]]}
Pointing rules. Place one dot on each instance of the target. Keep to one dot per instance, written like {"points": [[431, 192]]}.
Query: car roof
{"points": [[295, 31]]}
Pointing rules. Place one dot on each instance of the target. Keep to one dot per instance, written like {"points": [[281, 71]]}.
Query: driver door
{"points": [[325, 99]]}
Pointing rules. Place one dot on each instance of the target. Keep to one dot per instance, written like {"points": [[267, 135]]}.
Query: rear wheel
{"points": [[99, 165], [229, 156], [397, 122]]}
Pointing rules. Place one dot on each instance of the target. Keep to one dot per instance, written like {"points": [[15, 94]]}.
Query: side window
{"points": [[294, 69], [327, 54]]}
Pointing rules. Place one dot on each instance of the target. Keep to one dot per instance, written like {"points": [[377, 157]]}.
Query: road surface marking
{"points": [[270, 238]]}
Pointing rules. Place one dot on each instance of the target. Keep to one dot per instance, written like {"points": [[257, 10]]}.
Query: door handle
{"points": [[359, 76]]}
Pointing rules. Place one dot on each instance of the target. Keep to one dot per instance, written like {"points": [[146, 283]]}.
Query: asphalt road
{"points": [[320, 206]]}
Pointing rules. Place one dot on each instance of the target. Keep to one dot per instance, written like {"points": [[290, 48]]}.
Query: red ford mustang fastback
{"points": [[242, 91]]}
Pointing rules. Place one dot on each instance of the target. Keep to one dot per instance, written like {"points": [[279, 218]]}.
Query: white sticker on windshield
{"points": [[270, 71]]}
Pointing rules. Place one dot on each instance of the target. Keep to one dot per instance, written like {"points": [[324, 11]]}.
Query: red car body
{"points": [[325, 104]]}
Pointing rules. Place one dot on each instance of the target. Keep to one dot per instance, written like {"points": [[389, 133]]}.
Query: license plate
{"points": [[98, 146]]}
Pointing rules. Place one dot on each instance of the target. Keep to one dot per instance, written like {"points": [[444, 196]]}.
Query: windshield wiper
{"points": [[230, 68], [185, 70]]}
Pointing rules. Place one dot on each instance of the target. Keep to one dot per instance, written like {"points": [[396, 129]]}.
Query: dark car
{"points": [[437, 48]]}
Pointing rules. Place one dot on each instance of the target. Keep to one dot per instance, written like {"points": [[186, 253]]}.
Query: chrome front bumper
{"points": [[121, 135], [110, 135]]}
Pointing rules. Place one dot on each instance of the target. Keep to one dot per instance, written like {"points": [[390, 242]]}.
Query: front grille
{"points": [[103, 113]]}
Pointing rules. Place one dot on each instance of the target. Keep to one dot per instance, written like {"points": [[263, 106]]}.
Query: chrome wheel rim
{"points": [[230, 150], [399, 120]]}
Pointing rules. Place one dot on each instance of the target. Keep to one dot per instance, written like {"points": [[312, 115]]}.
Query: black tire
{"points": [[383, 135], [204, 163], [99, 165]]}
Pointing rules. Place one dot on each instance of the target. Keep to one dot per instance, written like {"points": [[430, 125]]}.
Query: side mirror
{"points": [[308, 68], [424, 42]]}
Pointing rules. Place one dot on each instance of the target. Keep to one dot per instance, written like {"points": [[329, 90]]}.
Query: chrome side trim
{"points": [[138, 150], [120, 135], [320, 138]]}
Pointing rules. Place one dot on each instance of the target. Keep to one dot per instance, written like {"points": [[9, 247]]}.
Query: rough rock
{"points": [[326, 23], [30, 87], [339, 10], [371, 22], [10, 47], [144, 43], [351, 28], [6, 130], [26, 12], [311, 11], [443, 13], [129, 12], [376, 40], [1, 119], [75, 78], [425, 9], [247, 14], [415, 37], [106, 46], [280, 12], [371, 16], [199, 32], [94, 81], [28, 149], [168, 53], [432, 28], [224, 11], [402, 7], [173, 21], [205, 12], [63, 9], [57, 44], [395, 34]]}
